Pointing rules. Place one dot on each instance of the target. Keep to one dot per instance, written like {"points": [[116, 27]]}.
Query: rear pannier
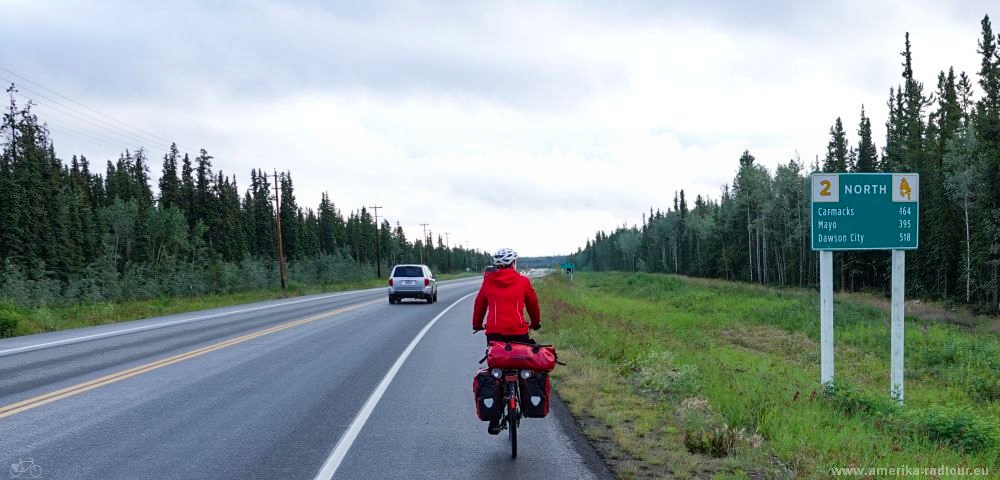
{"points": [[488, 394], [535, 395]]}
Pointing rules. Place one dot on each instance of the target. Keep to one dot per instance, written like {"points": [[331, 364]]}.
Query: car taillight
{"points": [[390, 282], [427, 282]]}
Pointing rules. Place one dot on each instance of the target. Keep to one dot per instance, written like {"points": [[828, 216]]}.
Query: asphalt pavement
{"points": [[293, 389]]}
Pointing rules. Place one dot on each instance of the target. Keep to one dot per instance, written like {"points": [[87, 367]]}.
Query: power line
{"points": [[142, 137], [84, 117], [84, 135], [65, 115], [82, 105]]}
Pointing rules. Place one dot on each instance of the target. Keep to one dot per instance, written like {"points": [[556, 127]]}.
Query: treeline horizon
{"points": [[70, 235], [758, 230]]}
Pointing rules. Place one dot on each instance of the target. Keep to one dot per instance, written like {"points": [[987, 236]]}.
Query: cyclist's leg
{"points": [[494, 427]]}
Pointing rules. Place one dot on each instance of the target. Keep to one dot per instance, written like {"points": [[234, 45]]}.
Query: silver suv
{"points": [[412, 281]]}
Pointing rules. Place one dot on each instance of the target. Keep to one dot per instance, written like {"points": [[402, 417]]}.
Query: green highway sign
{"points": [[865, 211], [568, 265]]}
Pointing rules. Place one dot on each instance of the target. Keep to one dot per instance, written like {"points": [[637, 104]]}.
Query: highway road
{"points": [[337, 385]]}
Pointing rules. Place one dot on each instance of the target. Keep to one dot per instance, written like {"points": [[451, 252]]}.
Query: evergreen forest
{"points": [[758, 229], [70, 233]]}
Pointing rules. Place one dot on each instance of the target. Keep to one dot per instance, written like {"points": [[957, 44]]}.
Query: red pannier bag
{"points": [[488, 394], [521, 356], [535, 391]]}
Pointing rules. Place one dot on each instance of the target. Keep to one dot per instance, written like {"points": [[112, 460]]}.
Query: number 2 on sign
{"points": [[826, 188]]}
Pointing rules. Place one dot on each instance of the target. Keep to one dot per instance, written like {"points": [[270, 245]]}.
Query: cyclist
{"points": [[501, 302]]}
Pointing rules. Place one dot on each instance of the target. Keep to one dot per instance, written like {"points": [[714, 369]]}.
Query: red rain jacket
{"points": [[506, 294]]}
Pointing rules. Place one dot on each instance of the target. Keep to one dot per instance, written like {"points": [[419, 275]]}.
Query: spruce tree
{"points": [[940, 222], [170, 184], [327, 224], [11, 195], [837, 149], [894, 151], [290, 227], [988, 141], [867, 153], [205, 203], [187, 190]]}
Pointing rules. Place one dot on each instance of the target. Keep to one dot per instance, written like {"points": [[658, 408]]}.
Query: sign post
{"points": [[826, 316], [896, 346], [568, 268], [864, 211]]}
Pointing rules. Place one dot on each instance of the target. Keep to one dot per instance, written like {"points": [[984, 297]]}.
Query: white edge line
{"points": [[166, 324], [344, 444], [115, 333]]}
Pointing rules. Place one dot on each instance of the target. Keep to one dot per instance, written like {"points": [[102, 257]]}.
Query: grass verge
{"points": [[677, 377]]}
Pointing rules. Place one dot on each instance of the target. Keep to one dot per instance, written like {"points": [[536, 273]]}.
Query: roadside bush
{"points": [[257, 274], [696, 413], [721, 441], [14, 284], [327, 269], [187, 280], [9, 319], [29, 289], [659, 373], [946, 353], [955, 427], [136, 282], [852, 401], [985, 389]]}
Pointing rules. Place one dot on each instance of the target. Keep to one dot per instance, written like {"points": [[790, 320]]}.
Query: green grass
{"points": [[18, 321], [734, 369]]}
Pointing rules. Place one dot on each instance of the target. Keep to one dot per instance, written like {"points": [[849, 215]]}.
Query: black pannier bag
{"points": [[489, 397], [535, 395]]}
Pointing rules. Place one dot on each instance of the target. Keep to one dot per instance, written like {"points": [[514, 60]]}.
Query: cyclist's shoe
{"points": [[494, 427]]}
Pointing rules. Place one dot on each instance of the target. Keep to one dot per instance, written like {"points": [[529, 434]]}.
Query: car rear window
{"points": [[408, 272]]}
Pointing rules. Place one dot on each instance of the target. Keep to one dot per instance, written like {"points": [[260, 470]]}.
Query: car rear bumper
{"points": [[411, 295], [421, 293]]}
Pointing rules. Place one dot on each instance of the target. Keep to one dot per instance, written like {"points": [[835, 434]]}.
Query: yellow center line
{"points": [[60, 394]]}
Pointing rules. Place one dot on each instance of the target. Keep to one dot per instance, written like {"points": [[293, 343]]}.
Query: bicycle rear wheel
{"points": [[512, 432]]}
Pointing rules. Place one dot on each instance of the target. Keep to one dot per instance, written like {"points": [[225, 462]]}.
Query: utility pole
{"points": [[277, 217], [378, 240], [423, 243], [447, 245]]}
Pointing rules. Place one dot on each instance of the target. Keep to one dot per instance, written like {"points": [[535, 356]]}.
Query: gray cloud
{"points": [[264, 49], [546, 195], [355, 96]]}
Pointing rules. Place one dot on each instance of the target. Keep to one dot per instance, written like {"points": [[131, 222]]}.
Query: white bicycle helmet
{"points": [[504, 257]]}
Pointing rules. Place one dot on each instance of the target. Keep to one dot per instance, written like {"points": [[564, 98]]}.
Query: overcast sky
{"points": [[529, 125]]}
